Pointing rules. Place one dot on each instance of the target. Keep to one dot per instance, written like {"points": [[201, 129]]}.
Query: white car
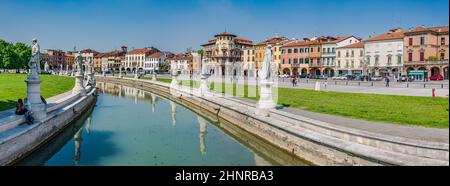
{"points": [[339, 78], [283, 76], [376, 78]]}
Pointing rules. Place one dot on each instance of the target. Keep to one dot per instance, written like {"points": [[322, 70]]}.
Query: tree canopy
{"points": [[14, 56]]}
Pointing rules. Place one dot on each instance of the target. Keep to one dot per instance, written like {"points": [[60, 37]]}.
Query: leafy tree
{"points": [[9, 57], [23, 53], [14, 56], [165, 66]]}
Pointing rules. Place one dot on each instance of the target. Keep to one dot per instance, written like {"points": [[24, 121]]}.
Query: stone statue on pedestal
{"points": [[266, 69], [35, 60], [38, 108]]}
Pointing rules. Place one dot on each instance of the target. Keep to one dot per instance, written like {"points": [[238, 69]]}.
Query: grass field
{"points": [[404, 110], [13, 86]]}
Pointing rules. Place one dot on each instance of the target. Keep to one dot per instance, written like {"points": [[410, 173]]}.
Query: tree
{"points": [[9, 57], [23, 53], [14, 56], [165, 66]]}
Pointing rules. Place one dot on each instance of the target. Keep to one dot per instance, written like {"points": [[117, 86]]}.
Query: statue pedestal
{"points": [[79, 87], [317, 86], [174, 82], [265, 101], [103, 73], [38, 108], [204, 86], [136, 76], [120, 73], [154, 76]]}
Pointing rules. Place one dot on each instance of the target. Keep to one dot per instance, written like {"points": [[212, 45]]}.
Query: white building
{"points": [[350, 59], [329, 52], [135, 59], [153, 61], [384, 54], [183, 63]]}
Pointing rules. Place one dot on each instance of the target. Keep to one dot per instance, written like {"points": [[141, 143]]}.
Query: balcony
{"points": [[443, 62]]}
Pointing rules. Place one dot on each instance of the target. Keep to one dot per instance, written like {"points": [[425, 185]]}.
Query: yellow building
{"points": [[260, 49]]}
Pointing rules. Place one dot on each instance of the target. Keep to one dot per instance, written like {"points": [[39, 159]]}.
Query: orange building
{"points": [[426, 50]]}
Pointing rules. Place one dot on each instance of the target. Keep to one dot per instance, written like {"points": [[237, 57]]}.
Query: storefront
{"points": [[418, 75]]}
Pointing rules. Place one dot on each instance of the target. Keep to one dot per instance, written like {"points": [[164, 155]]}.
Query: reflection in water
{"points": [[77, 139], [202, 123], [173, 107], [124, 130]]}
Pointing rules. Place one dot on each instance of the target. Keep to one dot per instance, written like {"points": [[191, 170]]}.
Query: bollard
{"points": [[359, 83], [424, 85], [442, 85], [346, 83], [372, 84], [433, 92], [407, 85]]}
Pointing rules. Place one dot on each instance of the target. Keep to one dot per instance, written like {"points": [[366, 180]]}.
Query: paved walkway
{"points": [[411, 132], [427, 92]]}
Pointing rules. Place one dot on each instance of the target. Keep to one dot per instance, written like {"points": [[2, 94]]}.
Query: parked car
{"points": [[376, 78], [359, 78], [322, 77], [350, 77], [340, 77], [283, 76], [437, 78], [402, 78], [303, 76]]}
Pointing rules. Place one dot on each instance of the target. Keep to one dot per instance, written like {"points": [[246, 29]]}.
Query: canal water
{"points": [[129, 126]]}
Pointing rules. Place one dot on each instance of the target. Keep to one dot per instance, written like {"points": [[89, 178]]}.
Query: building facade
{"points": [[329, 52], [260, 50], [248, 61], [56, 59], [426, 52], [224, 54], [135, 59], [384, 54], [182, 62], [153, 61], [350, 59]]}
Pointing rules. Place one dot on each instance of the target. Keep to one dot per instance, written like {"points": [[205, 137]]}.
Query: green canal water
{"points": [[133, 127]]}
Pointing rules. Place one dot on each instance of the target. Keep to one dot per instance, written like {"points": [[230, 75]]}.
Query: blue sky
{"points": [[175, 25]]}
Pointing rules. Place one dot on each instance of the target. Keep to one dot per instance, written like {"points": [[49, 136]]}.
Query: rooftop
{"points": [[354, 45]]}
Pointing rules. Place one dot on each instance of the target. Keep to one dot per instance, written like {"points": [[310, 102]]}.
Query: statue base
{"points": [[79, 87], [266, 101], [204, 86], [38, 108], [154, 77]]}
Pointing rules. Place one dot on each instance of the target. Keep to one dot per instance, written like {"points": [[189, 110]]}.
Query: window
{"points": [[289, 51], [318, 49], [289, 61], [353, 53], [339, 63], [283, 61], [295, 50], [323, 50], [312, 49], [410, 42], [283, 51], [389, 60], [328, 50], [301, 60], [442, 56], [377, 58], [422, 40], [301, 50], [306, 60], [332, 50], [353, 64], [361, 53], [306, 49], [410, 57], [442, 40], [399, 59], [339, 53], [346, 53], [422, 56], [295, 60], [360, 63]]}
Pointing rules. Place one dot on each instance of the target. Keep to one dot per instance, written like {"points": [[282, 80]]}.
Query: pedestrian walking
{"points": [[387, 81]]}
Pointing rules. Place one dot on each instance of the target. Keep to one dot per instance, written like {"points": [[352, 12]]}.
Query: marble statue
{"points": [[205, 69], [35, 60], [266, 69], [79, 61]]}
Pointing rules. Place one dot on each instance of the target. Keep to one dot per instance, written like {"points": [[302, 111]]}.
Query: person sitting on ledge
{"points": [[28, 114], [20, 109]]}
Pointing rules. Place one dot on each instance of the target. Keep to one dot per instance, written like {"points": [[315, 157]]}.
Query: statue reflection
{"points": [[174, 113], [77, 139], [120, 90], [202, 122], [154, 100], [135, 96], [88, 125]]}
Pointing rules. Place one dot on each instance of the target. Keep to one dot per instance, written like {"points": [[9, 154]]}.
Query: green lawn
{"points": [[404, 110], [13, 86]]}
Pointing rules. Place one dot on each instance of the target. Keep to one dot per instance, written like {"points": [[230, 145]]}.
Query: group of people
{"points": [[24, 108]]}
